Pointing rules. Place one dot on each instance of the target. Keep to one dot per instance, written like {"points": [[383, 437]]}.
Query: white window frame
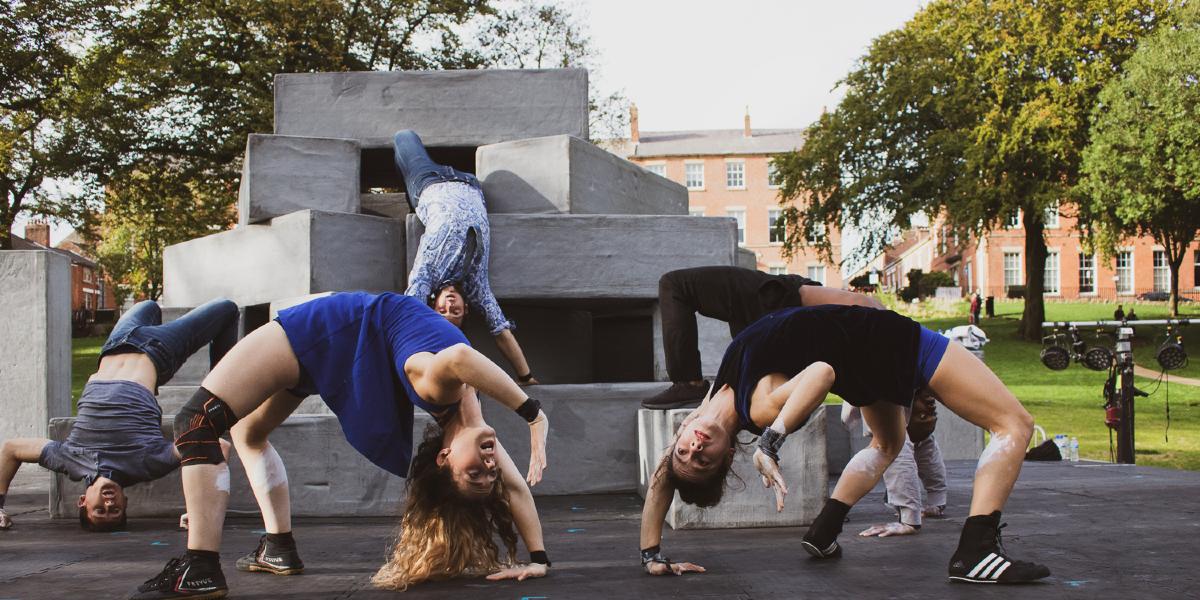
{"points": [[1004, 270], [777, 269], [696, 211], [687, 176], [1090, 270], [735, 162], [1013, 220], [656, 165], [772, 172], [819, 228], [738, 213], [774, 215], [1132, 281], [808, 272], [1056, 280], [1050, 217], [1164, 270]]}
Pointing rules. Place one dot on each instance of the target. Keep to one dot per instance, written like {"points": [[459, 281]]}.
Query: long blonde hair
{"points": [[443, 533]]}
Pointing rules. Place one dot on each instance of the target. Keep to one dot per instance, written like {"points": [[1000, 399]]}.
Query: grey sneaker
{"points": [[679, 395]]}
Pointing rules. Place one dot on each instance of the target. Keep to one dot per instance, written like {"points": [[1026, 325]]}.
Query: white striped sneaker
{"points": [[992, 565]]}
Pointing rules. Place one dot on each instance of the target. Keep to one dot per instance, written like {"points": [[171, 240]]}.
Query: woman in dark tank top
{"points": [[780, 369]]}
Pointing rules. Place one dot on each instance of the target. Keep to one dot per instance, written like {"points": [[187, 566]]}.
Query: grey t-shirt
{"points": [[117, 434]]}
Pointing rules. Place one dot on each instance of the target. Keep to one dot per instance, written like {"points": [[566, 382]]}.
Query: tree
{"points": [[1142, 167], [38, 54], [975, 110]]}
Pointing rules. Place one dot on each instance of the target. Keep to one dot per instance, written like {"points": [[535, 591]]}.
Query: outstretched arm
{"points": [[525, 516], [812, 295], [658, 501], [507, 342], [12, 454], [795, 400], [468, 366]]}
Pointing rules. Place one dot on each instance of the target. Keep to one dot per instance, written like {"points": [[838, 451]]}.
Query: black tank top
{"points": [[873, 353]]}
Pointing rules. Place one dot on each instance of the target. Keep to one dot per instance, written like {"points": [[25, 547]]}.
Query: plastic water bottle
{"points": [[1060, 440], [1074, 449]]}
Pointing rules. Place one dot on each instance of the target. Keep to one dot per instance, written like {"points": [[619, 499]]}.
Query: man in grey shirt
{"points": [[116, 440]]}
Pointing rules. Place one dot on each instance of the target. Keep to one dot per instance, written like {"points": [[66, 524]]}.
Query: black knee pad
{"points": [[199, 426]]}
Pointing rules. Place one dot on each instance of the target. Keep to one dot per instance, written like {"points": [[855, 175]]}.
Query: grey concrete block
{"points": [[593, 436], [713, 338], [279, 305], [802, 461], [172, 397], [747, 259], [297, 254], [447, 108], [392, 206], [326, 476], [564, 174], [282, 174], [589, 257], [35, 341]]}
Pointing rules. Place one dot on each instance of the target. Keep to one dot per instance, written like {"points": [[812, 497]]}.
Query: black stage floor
{"points": [[1105, 531]]}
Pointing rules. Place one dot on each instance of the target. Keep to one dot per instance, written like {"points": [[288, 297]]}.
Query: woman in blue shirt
{"points": [[372, 358], [779, 370]]}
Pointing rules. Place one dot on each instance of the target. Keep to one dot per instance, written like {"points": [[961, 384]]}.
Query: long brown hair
{"points": [[708, 489], [444, 533]]}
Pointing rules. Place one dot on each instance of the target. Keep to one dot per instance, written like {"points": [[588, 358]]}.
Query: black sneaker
{"points": [[985, 560], [833, 550], [821, 538], [184, 577], [679, 395], [269, 559]]}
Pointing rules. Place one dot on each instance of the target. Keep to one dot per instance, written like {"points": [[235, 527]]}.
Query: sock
{"points": [[828, 524], [205, 556], [281, 541], [2, 496], [978, 532]]}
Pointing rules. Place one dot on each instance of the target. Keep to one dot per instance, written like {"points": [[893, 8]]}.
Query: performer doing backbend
{"points": [[452, 257], [371, 358], [776, 373], [116, 440]]}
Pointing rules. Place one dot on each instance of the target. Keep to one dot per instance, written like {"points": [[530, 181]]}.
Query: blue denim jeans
{"points": [[168, 346], [418, 170]]}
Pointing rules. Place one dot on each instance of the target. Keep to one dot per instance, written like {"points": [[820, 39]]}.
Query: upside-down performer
{"points": [[371, 358], [116, 440], [779, 370]]}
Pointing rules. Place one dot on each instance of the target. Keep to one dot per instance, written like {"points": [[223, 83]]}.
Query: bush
{"points": [[931, 282]]}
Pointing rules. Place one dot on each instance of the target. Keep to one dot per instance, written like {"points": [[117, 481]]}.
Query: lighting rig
{"points": [[1064, 344]]}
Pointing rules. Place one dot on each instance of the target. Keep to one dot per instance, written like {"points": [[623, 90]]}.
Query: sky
{"points": [[697, 64]]}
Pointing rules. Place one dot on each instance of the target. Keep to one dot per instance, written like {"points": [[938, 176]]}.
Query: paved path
{"points": [[1140, 371], [1106, 531]]}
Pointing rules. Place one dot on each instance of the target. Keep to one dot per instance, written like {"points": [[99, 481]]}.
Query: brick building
{"points": [[90, 290], [728, 174], [996, 262]]}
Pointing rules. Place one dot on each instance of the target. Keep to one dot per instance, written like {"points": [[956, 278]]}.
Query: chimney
{"points": [[633, 123], [746, 127], [38, 232]]}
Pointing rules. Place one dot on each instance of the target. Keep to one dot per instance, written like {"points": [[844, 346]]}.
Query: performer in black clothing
{"points": [[779, 370], [732, 294]]}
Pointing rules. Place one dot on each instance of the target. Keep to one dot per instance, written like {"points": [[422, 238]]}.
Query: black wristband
{"points": [[525, 378], [654, 555], [529, 410], [770, 442], [539, 556]]}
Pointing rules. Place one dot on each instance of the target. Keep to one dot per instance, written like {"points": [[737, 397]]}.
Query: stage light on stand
{"points": [[1056, 358], [1171, 355], [1098, 358]]}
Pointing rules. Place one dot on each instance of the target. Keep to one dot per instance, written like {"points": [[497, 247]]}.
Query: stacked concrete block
{"points": [[446, 108], [282, 174], [564, 174], [593, 444], [297, 254], [326, 476], [35, 341], [392, 206], [588, 257], [802, 462]]}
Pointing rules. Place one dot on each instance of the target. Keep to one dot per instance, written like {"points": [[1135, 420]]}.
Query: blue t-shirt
{"points": [[117, 434]]}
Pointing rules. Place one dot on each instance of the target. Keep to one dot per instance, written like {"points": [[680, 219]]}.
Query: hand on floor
{"points": [[657, 568], [888, 530], [936, 512], [520, 572]]}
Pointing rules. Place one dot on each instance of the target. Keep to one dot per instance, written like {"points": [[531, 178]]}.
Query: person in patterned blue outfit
{"points": [[450, 272]]}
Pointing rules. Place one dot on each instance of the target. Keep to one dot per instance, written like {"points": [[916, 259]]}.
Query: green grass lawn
{"points": [[84, 353], [1070, 401], [1067, 402]]}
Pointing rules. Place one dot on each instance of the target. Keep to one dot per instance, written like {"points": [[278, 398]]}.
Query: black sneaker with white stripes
{"points": [[981, 557], [189, 576], [272, 558]]}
